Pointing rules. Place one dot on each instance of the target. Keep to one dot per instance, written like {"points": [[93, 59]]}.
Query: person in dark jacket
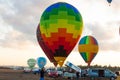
{"points": [[42, 74], [77, 75]]}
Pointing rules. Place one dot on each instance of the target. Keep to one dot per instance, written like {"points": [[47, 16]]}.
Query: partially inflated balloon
{"points": [[31, 62], [44, 47], [41, 61], [61, 27], [88, 48]]}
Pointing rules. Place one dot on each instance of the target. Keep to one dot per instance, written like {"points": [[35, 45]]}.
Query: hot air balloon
{"points": [[31, 62], [41, 62], [88, 48], [61, 27], [46, 50], [109, 1]]}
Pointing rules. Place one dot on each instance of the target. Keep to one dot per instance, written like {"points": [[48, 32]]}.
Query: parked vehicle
{"points": [[36, 71], [60, 71], [72, 66], [69, 75], [101, 72], [27, 70], [53, 73]]}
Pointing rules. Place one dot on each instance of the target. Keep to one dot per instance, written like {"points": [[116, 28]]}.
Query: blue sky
{"points": [[19, 20]]}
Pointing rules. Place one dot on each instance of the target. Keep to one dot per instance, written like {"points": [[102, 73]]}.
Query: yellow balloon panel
{"points": [[88, 48], [60, 60]]}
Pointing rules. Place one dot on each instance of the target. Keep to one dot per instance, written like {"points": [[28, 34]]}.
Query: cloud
{"points": [[116, 5], [23, 17], [14, 39], [107, 35]]}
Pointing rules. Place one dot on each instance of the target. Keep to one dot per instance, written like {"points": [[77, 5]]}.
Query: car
{"points": [[27, 70], [60, 73], [53, 73], [36, 71], [69, 75], [101, 72]]}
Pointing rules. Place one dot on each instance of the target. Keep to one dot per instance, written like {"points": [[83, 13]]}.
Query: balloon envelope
{"points": [[31, 62], [109, 1], [44, 47], [61, 27], [41, 61], [88, 48]]}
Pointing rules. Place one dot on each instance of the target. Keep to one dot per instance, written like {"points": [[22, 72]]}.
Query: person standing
{"points": [[42, 74], [77, 75]]}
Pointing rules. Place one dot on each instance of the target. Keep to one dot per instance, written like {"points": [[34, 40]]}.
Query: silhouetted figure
{"points": [[42, 74], [77, 75]]}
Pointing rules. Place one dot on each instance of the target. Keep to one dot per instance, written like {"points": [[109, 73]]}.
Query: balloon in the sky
{"points": [[61, 27], [31, 62], [41, 61], [44, 47], [109, 1], [88, 48]]}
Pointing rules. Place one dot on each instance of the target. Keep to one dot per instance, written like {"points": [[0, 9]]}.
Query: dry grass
{"points": [[118, 78], [8, 74]]}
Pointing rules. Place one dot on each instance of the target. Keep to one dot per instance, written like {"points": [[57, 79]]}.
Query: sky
{"points": [[19, 20]]}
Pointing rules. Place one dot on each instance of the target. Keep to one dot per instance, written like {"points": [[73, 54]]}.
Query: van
{"points": [[101, 72]]}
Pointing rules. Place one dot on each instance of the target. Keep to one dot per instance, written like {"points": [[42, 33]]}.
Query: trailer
{"points": [[72, 66], [69, 74]]}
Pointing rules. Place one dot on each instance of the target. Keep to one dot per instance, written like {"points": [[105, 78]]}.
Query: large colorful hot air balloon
{"points": [[61, 27], [46, 50], [41, 62], [88, 48], [31, 62]]}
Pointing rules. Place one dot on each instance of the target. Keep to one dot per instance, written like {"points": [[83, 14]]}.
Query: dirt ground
{"points": [[8, 74]]}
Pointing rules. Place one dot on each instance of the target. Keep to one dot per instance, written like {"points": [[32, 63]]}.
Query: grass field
{"points": [[8, 74]]}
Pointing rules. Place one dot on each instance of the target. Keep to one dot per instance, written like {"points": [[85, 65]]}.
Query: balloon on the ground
{"points": [[31, 62], [88, 48], [44, 47], [41, 61], [61, 27]]}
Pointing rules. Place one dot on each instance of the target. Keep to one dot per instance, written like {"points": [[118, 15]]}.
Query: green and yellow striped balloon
{"points": [[88, 48]]}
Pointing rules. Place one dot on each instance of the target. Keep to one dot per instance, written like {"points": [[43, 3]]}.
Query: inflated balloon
{"points": [[44, 47], [88, 48], [109, 1], [31, 62], [61, 27], [41, 61]]}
